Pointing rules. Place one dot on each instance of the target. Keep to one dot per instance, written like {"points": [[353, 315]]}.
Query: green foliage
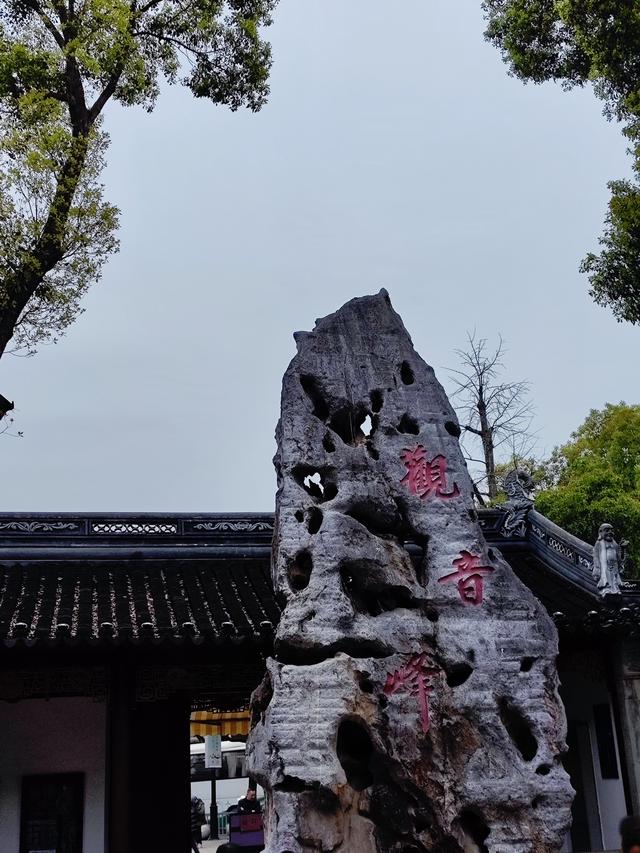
{"points": [[595, 477], [61, 62], [32, 154], [577, 42], [615, 273]]}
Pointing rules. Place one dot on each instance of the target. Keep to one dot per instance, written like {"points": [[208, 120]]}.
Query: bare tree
{"points": [[495, 415]]}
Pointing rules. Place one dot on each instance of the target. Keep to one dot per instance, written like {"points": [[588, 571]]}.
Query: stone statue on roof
{"points": [[608, 561]]}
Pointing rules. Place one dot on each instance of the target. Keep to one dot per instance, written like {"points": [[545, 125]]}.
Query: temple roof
{"points": [[101, 579]]}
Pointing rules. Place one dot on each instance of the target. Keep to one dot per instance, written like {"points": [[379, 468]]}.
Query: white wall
{"points": [[52, 736]]}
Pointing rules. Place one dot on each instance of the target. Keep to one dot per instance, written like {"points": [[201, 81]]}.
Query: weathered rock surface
{"points": [[413, 704]]}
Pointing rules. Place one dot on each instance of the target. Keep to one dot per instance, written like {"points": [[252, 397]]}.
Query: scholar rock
{"points": [[413, 703]]}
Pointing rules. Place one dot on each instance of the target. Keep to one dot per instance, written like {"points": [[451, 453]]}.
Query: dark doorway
{"points": [[51, 813], [586, 833], [160, 801]]}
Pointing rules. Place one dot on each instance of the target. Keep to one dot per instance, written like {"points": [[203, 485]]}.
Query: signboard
{"points": [[250, 822], [213, 751]]}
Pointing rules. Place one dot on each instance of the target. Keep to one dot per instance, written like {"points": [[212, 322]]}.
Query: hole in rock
{"points": [[317, 483], [491, 553], [292, 784], [327, 443], [314, 522], [526, 664], [299, 571], [537, 802], [519, 729], [423, 820], [475, 828], [313, 390], [471, 656], [330, 491], [355, 753], [452, 428], [389, 810], [378, 523], [458, 674], [543, 770], [408, 425], [373, 453], [347, 422], [376, 400], [311, 481], [395, 597], [371, 600], [299, 515], [382, 700], [432, 614], [326, 801], [406, 373], [317, 799], [366, 426], [366, 685]]}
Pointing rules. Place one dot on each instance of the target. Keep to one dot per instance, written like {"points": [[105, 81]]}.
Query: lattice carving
{"points": [[127, 528], [561, 547]]}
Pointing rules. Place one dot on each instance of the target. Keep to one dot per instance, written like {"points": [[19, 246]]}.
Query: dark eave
{"points": [[152, 579], [114, 536]]}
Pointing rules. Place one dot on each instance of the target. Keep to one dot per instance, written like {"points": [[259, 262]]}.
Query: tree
{"points": [[577, 42], [497, 414], [61, 62], [595, 477]]}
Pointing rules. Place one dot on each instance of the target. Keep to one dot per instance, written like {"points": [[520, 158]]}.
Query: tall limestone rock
{"points": [[413, 703]]}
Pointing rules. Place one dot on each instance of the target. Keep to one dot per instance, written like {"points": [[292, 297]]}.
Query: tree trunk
{"points": [[486, 436]]}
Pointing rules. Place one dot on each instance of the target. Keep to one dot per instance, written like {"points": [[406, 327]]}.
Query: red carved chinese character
{"points": [[426, 476], [414, 677], [469, 577]]}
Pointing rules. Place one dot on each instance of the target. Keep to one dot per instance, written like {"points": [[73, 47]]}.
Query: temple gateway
{"points": [[425, 675]]}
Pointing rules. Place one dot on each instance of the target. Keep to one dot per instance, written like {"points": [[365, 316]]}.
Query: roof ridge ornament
{"points": [[609, 559], [518, 485]]}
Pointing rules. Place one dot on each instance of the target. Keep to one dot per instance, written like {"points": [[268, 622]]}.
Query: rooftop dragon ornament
{"points": [[518, 486]]}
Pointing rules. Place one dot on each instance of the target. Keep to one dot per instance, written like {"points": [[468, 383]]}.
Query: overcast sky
{"points": [[395, 151]]}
